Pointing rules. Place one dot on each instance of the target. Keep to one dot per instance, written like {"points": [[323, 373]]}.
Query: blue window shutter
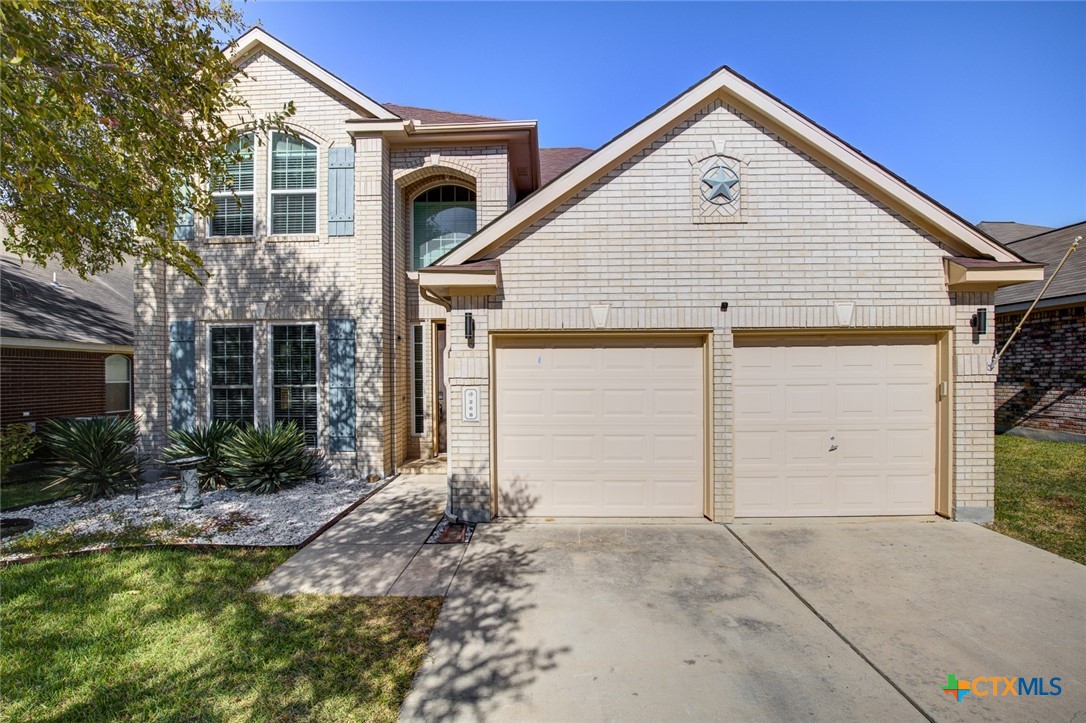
{"points": [[182, 374], [340, 191], [341, 406]]}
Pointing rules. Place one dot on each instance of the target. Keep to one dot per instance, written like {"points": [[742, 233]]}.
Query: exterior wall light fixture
{"points": [[979, 322], [469, 329]]}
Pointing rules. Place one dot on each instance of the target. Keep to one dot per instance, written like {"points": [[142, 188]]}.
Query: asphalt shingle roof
{"points": [[1048, 248], [430, 115], [96, 311], [553, 162], [1007, 231]]}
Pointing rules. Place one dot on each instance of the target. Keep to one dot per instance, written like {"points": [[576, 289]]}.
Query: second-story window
{"points": [[293, 185], [233, 193], [440, 219]]}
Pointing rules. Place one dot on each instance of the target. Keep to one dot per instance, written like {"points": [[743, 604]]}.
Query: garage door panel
{"points": [[573, 403], [909, 399], [807, 402], [860, 401], [910, 492], [571, 447], [808, 493], [804, 360], [909, 447], [875, 397], [522, 403], [682, 403], [619, 431], [761, 447], [758, 401]]}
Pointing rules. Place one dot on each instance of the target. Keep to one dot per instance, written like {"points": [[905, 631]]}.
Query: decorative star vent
{"points": [[717, 185]]}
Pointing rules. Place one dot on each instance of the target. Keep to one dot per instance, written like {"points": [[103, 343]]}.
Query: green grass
{"points": [[28, 483], [1040, 494], [174, 635]]}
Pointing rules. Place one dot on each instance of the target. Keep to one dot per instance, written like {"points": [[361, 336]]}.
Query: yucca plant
{"points": [[268, 459], [98, 456], [203, 441]]}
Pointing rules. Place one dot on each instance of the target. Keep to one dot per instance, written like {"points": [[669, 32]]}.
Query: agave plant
{"points": [[205, 441], [98, 456], [268, 459]]}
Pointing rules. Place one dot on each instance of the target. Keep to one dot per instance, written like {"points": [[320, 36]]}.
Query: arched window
{"points": [[293, 185], [441, 218], [118, 383]]}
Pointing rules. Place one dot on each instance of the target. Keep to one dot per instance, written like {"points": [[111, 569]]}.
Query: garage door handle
{"points": [[833, 447]]}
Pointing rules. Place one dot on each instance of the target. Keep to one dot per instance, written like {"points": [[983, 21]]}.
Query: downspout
{"points": [[996, 355], [435, 299]]}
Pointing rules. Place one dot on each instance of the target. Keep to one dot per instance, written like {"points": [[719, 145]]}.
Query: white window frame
{"points": [[418, 328], [294, 191], [207, 356], [271, 373], [128, 382], [411, 217], [240, 194]]}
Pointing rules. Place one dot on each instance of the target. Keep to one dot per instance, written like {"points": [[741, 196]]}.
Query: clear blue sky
{"points": [[981, 105]]}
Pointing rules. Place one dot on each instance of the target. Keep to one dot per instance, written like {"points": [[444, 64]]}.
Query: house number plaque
{"points": [[471, 404]]}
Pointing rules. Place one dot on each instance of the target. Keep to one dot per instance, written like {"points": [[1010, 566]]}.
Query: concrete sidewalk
{"points": [[377, 549]]}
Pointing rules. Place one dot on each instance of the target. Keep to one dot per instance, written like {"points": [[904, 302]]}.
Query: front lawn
{"points": [[175, 635], [1040, 494]]}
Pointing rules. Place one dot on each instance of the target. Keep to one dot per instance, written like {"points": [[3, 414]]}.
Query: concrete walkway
{"points": [[377, 549]]}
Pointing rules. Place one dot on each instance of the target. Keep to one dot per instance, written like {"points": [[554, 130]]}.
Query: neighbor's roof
{"points": [[95, 311], [1008, 231], [1048, 248], [754, 102], [553, 162], [429, 115]]}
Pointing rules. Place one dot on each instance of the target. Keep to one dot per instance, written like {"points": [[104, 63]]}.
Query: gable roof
{"points": [[430, 115], [1048, 248], [95, 311], [553, 162], [743, 95], [257, 38], [1007, 232]]}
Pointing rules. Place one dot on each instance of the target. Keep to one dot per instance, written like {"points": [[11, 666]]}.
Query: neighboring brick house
{"points": [[1041, 388], [725, 311], [65, 343]]}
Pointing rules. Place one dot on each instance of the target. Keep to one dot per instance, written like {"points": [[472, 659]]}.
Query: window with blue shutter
{"points": [[341, 404], [182, 374], [340, 191]]}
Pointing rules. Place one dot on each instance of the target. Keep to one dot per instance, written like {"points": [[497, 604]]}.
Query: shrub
{"points": [[268, 459], [17, 443], [98, 456], [204, 441]]}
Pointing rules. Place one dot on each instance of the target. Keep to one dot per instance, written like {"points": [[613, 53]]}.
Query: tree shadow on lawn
{"points": [[174, 635]]}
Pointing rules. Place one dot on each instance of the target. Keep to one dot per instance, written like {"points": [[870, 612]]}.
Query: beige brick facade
{"points": [[263, 279], [809, 241], [802, 249]]}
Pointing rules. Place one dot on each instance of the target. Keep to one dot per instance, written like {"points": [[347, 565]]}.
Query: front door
{"points": [[440, 392]]}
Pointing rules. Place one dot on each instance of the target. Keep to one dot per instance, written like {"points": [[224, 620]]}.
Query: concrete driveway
{"points": [[573, 622]]}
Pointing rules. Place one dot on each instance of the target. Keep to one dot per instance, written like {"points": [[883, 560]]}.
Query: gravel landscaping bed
{"points": [[227, 517]]}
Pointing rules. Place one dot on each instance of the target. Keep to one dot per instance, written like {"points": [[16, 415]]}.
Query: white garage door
{"points": [[835, 427], [600, 428]]}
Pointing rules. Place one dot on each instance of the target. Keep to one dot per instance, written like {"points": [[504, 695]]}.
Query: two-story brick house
{"points": [[725, 311]]}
